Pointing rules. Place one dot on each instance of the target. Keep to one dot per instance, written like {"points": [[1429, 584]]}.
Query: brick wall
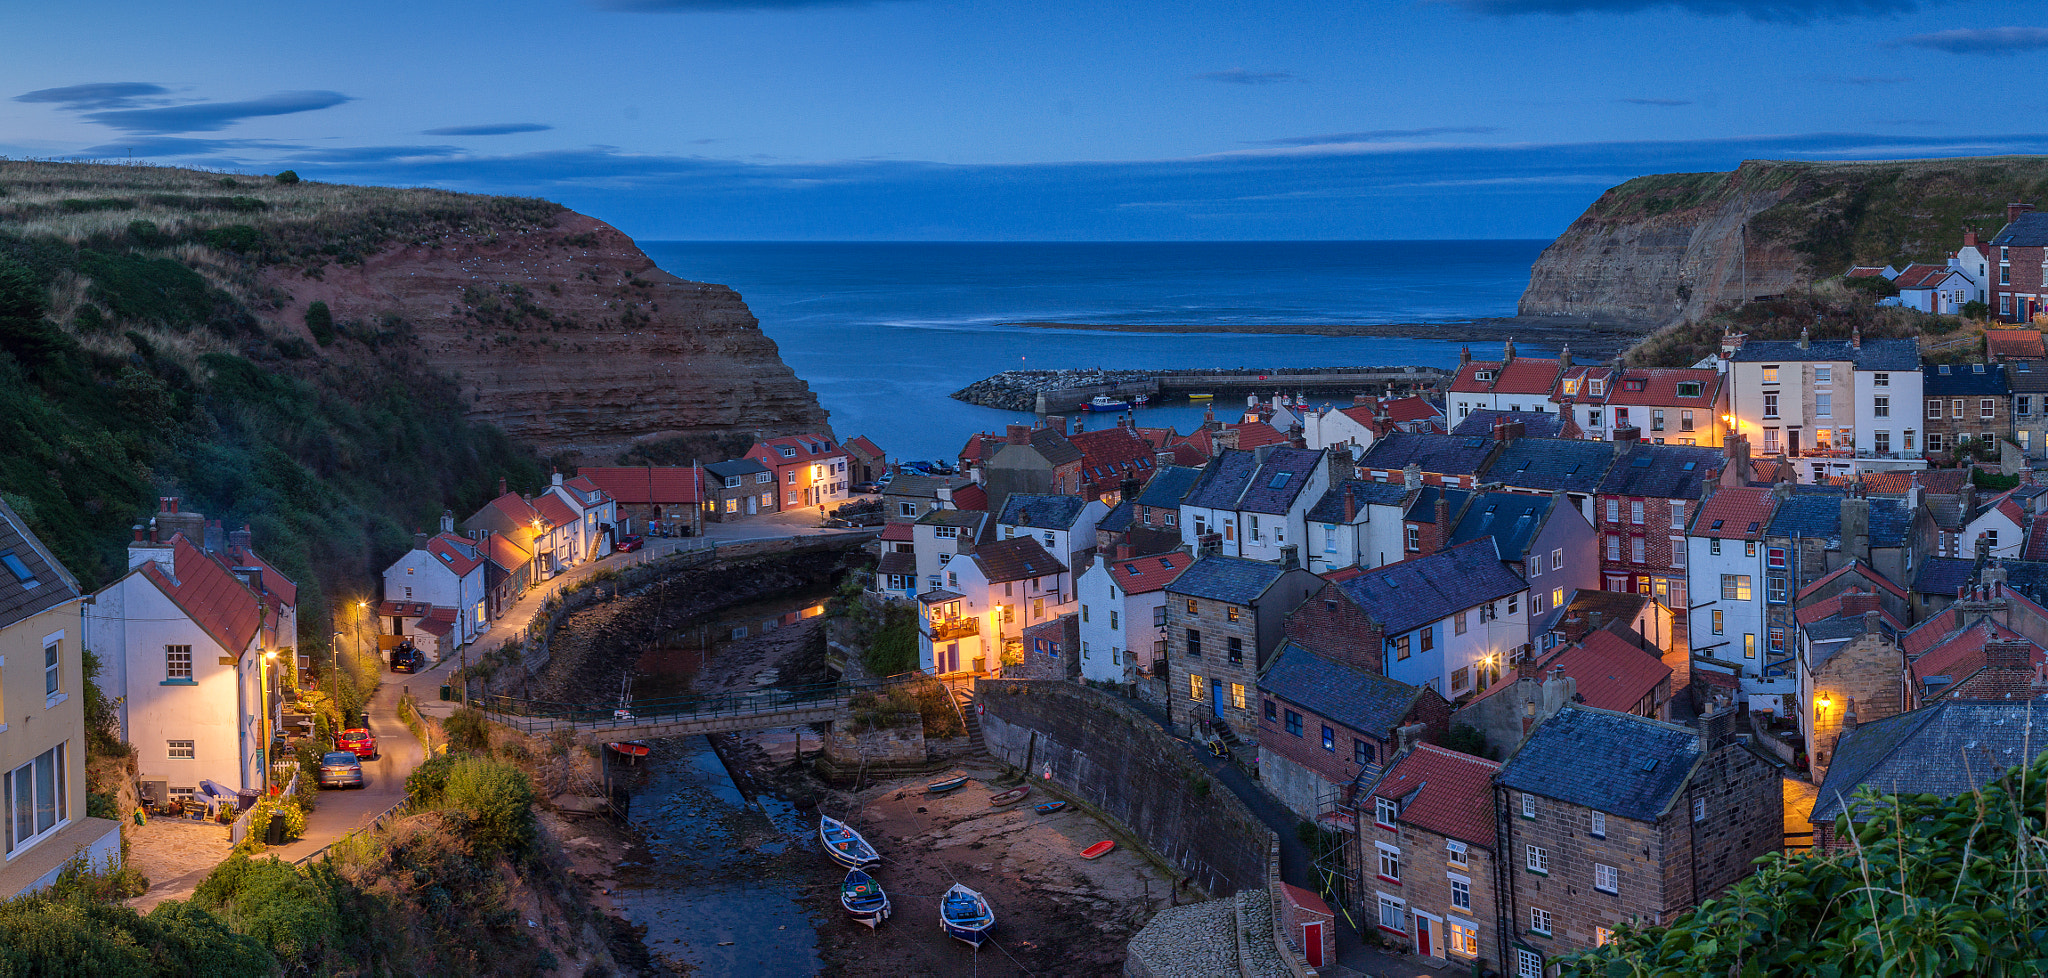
{"points": [[1868, 670], [1211, 620], [1297, 769], [1651, 878], [1745, 816], [1332, 626], [1061, 638], [1655, 531], [1973, 423], [1119, 761], [1425, 885]]}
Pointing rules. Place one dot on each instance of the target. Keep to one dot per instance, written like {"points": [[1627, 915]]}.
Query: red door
{"points": [[1312, 942], [1422, 936]]}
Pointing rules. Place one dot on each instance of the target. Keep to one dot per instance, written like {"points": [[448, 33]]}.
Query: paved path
{"points": [[341, 811]]}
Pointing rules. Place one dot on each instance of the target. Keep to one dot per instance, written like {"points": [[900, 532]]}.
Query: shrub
{"points": [[321, 322], [1976, 309], [468, 731], [426, 784], [288, 177], [276, 903], [498, 798], [40, 935], [238, 238], [88, 319]]}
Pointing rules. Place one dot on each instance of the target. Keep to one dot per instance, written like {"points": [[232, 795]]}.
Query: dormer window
{"points": [[1596, 387], [1483, 375], [1385, 810], [787, 451], [1571, 387], [1688, 388], [1636, 385]]}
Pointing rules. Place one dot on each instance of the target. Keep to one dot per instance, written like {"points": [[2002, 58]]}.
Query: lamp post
{"points": [[266, 731]]}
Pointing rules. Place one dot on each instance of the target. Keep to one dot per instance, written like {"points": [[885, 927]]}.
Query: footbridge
{"points": [[689, 716]]}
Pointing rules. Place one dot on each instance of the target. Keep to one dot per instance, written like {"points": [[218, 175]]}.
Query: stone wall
{"points": [[901, 744], [1117, 760]]}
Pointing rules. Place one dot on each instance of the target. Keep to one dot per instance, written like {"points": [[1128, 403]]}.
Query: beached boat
{"points": [[966, 915], [630, 749], [1010, 797], [942, 786], [1047, 808], [863, 898], [1201, 397], [844, 845], [1104, 402], [1098, 850]]}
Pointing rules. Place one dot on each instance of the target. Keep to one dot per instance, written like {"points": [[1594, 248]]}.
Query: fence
{"points": [[239, 828], [540, 716]]}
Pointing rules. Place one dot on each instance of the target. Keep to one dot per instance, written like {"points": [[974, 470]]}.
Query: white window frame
{"points": [[1538, 859], [1598, 826], [1606, 878], [17, 838], [1540, 922], [1460, 886], [1390, 859]]}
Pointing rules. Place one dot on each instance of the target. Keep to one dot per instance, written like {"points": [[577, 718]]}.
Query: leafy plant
{"points": [[321, 322], [288, 177], [498, 799], [468, 731]]}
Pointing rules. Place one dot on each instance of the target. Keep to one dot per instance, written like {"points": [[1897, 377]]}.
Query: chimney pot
{"points": [[2014, 210], [169, 504], [138, 533]]}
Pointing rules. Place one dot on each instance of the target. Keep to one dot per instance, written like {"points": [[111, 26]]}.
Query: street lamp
{"points": [[266, 728]]}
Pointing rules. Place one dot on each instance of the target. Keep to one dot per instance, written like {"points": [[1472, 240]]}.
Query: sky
{"points": [[995, 120]]}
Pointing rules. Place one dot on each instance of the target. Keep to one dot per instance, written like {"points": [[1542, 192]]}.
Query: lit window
{"points": [[1464, 939]]}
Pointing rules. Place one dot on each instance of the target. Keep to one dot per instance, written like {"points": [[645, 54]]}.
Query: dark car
{"points": [[864, 488], [358, 741], [407, 658], [340, 769], [632, 543]]}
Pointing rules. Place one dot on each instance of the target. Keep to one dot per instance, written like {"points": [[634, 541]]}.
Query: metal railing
{"points": [[547, 716]]}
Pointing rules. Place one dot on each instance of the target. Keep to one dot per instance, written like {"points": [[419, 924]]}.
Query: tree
{"points": [[288, 177], [321, 322]]}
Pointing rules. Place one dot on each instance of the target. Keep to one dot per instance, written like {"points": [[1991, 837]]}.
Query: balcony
{"points": [[948, 629]]}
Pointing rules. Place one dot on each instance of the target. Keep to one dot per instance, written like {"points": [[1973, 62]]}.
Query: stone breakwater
{"points": [[1057, 390], [1018, 390]]}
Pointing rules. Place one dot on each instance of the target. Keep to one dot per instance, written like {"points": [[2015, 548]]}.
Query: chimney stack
{"points": [[1805, 337], [1508, 430], [2008, 654], [1464, 355], [242, 540], [1350, 504], [1627, 434], [447, 521], [1856, 336], [501, 486], [1735, 471], [1969, 239], [1017, 434], [1290, 556], [1856, 527], [2014, 210], [1564, 357], [419, 541], [1411, 476], [1508, 352]]}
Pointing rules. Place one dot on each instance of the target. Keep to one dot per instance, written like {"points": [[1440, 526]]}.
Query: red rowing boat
{"points": [[1098, 850]]}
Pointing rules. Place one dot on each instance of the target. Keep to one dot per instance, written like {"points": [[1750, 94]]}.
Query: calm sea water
{"points": [[883, 332]]}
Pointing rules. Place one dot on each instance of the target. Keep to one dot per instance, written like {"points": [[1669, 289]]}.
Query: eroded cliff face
{"points": [[569, 338], [1659, 254]]}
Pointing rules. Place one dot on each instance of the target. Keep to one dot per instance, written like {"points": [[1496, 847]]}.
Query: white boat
{"points": [[1104, 402], [966, 915], [863, 898], [844, 845]]}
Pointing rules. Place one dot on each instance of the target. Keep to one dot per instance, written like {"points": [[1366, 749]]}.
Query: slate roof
{"points": [[2025, 377], [1015, 559], [1811, 513], [1945, 749], [1445, 792], [1279, 481], [1169, 486], [1964, 380], [641, 485], [732, 467], [1661, 471], [1551, 464], [1610, 762], [48, 584], [1422, 507], [1330, 508], [895, 562], [1118, 519], [1358, 700], [1444, 454], [1408, 595], [1942, 575], [1143, 575], [1234, 580], [953, 517], [1042, 511], [1741, 514], [1054, 447], [1574, 618], [1223, 480], [2030, 230], [1510, 518], [1535, 424], [216, 600], [1875, 354]]}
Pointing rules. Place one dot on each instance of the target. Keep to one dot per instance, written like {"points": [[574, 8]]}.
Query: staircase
{"points": [[964, 698]]}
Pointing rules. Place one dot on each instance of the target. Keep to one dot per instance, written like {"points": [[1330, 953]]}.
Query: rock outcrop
{"points": [[568, 338], [1672, 247]]}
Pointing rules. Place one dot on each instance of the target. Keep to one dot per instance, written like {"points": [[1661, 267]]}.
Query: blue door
{"points": [[1216, 700]]}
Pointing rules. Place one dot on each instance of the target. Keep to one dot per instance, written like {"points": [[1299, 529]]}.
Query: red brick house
{"points": [[1425, 856], [2016, 290], [1322, 725], [865, 460], [1641, 512], [1111, 457], [810, 469]]}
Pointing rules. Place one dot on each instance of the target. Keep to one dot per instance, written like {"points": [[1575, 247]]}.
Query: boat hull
{"points": [[941, 787], [1106, 408], [1049, 807], [971, 927], [845, 846], [863, 899]]}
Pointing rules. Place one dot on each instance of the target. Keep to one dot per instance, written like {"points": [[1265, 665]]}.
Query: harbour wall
{"points": [[1063, 391], [1119, 762]]}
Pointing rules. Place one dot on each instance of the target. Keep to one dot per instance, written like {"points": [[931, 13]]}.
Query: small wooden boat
{"points": [[1098, 850], [630, 749], [1201, 397], [1010, 797], [863, 898], [1047, 808], [966, 915], [945, 785], [844, 845]]}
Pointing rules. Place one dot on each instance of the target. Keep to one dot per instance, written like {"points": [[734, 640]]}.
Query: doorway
{"points": [[1312, 942]]}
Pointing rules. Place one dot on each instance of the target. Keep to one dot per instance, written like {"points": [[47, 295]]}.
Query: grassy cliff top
{"points": [[263, 218]]}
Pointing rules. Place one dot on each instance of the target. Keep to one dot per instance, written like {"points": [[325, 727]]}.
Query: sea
{"points": [[884, 332]]}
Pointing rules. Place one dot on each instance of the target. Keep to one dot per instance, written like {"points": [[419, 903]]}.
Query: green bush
{"points": [[149, 290], [427, 782], [498, 798], [468, 731], [238, 238], [88, 319], [275, 902], [288, 177], [1976, 309], [40, 935], [321, 322]]}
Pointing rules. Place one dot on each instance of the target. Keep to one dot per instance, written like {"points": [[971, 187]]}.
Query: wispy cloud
{"points": [[1664, 102], [501, 129], [1783, 11], [1370, 136], [99, 95], [1245, 76], [1989, 40], [212, 116]]}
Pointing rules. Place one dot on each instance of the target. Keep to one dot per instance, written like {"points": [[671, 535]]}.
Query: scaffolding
{"points": [[1336, 822]]}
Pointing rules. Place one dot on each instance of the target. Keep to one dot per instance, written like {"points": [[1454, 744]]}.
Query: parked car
{"points": [[358, 741], [407, 658], [632, 543], [340, 769], [864, 488]]}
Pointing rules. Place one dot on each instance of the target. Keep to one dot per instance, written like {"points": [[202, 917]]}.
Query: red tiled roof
{"points": [[1945, 482], [1305, 900], [1159, 437], [768, 451], [506, 553], [1411, 408], [662, 485], [897, 532], [282, 587], [1611, 673], [1113, 451], [1744, 514], [861, 444], [455, 553], [1143, 575], [1888, 483], [1962, 652], [1467, 380], [1771, 470], [215, 599], [1660, 388], [1526, 376], [1861, 570], [554, 510], [1252, 434], [2037, 541], [439, 621], [1190, 454], [516, 509], [982, 446], [2022, 344], [972, 497], [1832, 605], [1453, 793], [404, 609], [1922, 276]]}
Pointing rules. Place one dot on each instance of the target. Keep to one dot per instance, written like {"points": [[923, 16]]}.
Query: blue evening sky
{"points": [[1013, 120]]}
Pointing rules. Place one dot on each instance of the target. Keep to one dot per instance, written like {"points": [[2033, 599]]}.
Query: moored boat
{"points": [[844, 845], [1010, 797], [944, 785], [1047, 808], [1098, 850], [630, 749], [1104, 402], [1141, 400], [966, 915], [1201, 397], [863, 898]]}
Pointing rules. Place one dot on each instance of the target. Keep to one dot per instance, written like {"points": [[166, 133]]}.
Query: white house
{"points": [[1256, 503], [1357, 524], [447, 572], [596, 517], [2001, 522], [1726, 570], [1003, 587], [186, 647], [1446, 619], [941, 536], [1935, 289], [1065, 525], [1974, 261], [1123, 613], [1834, 407]]}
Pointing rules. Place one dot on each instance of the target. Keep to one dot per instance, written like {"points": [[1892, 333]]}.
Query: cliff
{"points": [[1674, 247]]}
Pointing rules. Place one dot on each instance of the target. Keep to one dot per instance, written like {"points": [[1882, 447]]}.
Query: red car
{"points": [[358, 741], [632, 543]]}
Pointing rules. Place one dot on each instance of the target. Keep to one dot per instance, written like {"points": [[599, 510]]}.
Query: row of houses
{"points": [[2005, 273]]}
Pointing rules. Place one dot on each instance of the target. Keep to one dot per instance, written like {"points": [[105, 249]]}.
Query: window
{"points": [[1528, 805], [1414, 538], [1613, 547], [906, 509], [1934, 409], [731, 506], [1635, 511], [2024, 404], [1384, 811], [1749, 645], [1991, 539], [1678, 514], [1539, 922], [1699, 809], [1236, 649], [1880, 380], [1463, 939], [1113, 626], [1735, 587], [1614, 511], [1461, 892], [1514, 603], [1881, 406], [1824, 405], [763, 478], [1933, 441], [1881, 441], [1429, 638], [1461, 678], [1390, 863], [27, 578], [1556, 596], [1684, 419], [1717, 621], [1230, 613], [1599, 825], [1770, 439], [1454, 852], [1401, 649], [1361, 751], [1606, 878], [35, 803], [1771, 404], [1391, 917], [178, 663], [1602, 937], [1528, 964], [1194, 643], [1677, 553], [1955, 409], [1191, 608], [1458, 624], [179, 749], [1272, 710], [1657, 419], [1635, 549], [1777, 639], [1196, 690], [1539, 860], [1987, 407], [1294, 723], [1329, 539], [1237, 695], [51, 660], [1329, 739]]}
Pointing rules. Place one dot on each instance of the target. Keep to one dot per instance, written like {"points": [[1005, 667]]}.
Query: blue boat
{"points": [[966, 915], [1104, 402], [844, 845], [944, 785], [1047, 808], [863, 898]]}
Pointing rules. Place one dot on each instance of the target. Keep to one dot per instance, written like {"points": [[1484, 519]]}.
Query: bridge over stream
{"points": [[688, 716]]}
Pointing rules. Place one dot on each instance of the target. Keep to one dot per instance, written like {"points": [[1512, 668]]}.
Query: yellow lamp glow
{"points": [[1823, 702]]}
